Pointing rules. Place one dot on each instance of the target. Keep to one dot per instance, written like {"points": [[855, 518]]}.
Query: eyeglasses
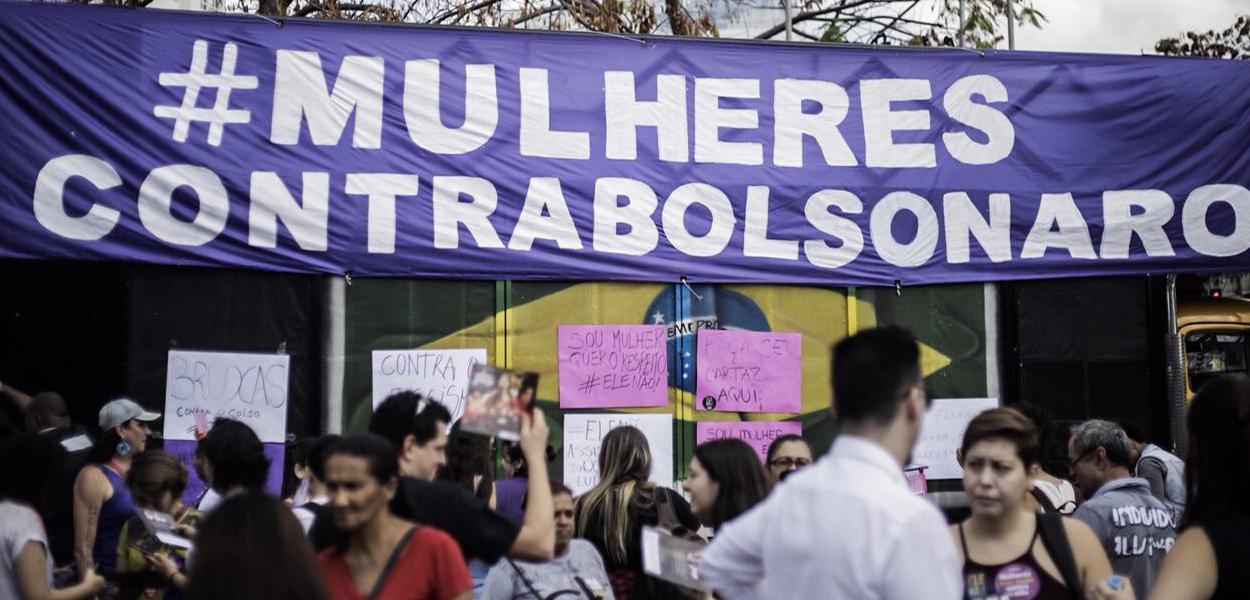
{"points": [[786, 462], [1072, 465]]}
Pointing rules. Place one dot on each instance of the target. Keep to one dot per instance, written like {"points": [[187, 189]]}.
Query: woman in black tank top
{"points": [[1001, 543], [1211, 558]]}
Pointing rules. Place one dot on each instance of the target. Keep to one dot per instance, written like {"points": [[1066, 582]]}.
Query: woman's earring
{"points": [[123, 448]]}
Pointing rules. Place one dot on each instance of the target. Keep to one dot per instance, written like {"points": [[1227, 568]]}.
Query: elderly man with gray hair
{"points": [[1136, 529]]}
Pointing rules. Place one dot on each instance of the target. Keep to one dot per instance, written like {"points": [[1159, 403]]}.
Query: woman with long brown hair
{"points": [[250, 547], [1211, 558], [611, 515], [156, 480]]}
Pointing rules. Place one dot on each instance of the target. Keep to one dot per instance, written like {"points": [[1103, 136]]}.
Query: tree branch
{"points": [[895, 21], [462, 10], [534, 15], [811, 14]]}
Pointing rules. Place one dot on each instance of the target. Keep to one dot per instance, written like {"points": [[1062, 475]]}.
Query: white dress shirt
{"points": [[846, 527]]}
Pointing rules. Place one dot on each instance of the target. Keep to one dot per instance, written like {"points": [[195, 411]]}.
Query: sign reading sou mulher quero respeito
{"points": [[228, 140]]}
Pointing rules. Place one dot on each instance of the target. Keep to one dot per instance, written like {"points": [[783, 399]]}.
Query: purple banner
{"points": [[327, 147]]}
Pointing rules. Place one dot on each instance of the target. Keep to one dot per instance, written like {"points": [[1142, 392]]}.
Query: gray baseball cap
{"points": [[121, 410]]}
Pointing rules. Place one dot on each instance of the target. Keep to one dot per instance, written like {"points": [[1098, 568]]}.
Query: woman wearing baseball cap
{"points": [[102, 503]]}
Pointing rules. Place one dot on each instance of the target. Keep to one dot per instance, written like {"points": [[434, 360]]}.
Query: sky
{"points": [[1123, 26], [1106, 26]]}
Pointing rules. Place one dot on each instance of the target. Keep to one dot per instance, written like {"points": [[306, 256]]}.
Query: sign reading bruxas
{"points": [[322, 147]]}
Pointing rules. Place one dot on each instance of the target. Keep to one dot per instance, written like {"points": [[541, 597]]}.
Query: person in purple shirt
{"points": [[510, 491]]}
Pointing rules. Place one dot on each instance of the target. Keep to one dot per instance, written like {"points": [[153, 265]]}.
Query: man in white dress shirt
{"points": [[848, 526]]}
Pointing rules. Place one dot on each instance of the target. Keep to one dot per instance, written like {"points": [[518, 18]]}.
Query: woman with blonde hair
{"points": [[611, 515]]}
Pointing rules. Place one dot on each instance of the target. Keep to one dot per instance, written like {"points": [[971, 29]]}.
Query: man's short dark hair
{"points": [[236, 455], [1133, 430], [48, 407], [872, 371], [398, 416]]}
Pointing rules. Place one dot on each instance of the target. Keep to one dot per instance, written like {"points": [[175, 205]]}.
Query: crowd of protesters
{"points": [[412, 509]]}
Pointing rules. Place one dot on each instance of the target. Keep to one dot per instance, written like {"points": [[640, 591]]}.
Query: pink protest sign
{"points": [[759, 434], [612, 366], [749, 371]]}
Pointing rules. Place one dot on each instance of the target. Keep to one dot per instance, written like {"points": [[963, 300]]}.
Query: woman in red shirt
{"points": [[383, 557]]}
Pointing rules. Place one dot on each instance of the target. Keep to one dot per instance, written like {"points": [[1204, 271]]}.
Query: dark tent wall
{"points": [[227, 311], [95, 331], [63, 329], [1088, 348]]}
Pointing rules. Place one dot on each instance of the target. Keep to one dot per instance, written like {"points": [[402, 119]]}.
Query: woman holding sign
{"points": [[383, 556], [611, 515], [1008, 550]]}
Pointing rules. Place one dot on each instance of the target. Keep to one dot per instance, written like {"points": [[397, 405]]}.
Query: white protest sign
{"points": [[441, 375], [943, 431], [251, 388], [583, 435]]}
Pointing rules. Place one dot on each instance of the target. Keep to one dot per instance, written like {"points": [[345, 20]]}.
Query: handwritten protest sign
{"points": [[441, 375], [583, 435], [184, 451], [943, 431], [612, 366], [749, 371], [251, 388], [759, 434]]}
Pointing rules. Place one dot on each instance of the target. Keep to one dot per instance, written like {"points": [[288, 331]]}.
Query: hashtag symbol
{"points": [[198, 77], [589, 385]]}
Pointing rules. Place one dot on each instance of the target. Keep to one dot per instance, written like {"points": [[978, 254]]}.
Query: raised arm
{"points": [[20, 398], [537, 538]]}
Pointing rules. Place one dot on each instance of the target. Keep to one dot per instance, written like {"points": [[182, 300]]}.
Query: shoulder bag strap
{"points": [[529, 584], [1044, 500], [390, 564], [1055, 539]]}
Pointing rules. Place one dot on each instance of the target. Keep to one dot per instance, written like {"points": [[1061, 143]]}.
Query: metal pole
{"points": [[1011, 25], [1175, 374], [785, 5], [959, 36]]}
